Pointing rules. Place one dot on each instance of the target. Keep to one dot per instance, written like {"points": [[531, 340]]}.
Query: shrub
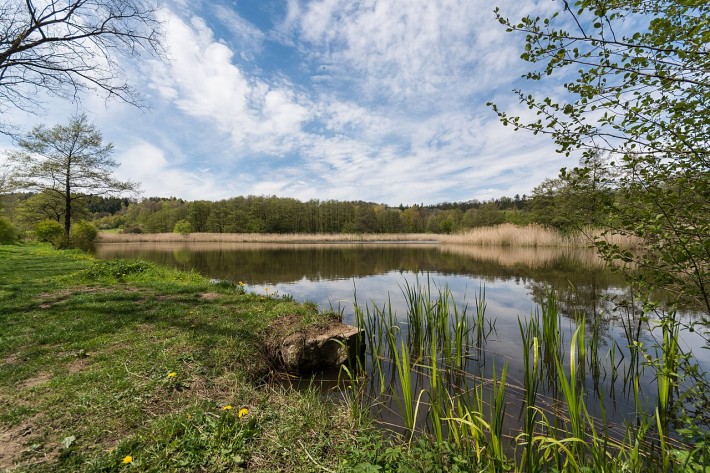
{"points": [[50, 231], [82, 234], [183, 227], [132, 229], [8, 233]]}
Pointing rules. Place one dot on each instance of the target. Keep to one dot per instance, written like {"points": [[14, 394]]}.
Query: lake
{"points": [[515, 281]]}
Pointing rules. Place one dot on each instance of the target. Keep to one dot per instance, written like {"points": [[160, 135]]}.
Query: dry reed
{"points": [[500, 235], [106, 237], [533, 236]]}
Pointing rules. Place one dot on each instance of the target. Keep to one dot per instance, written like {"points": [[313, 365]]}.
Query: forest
{"points": [[551, 204]]}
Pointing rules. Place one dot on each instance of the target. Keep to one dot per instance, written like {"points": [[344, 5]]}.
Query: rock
{"points": [[317, 348]]}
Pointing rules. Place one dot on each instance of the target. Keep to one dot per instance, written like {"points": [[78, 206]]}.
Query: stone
{"points": [[318, 348]]}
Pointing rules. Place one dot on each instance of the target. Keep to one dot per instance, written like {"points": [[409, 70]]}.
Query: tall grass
{"points": [[109, 237], [500, 235], [534, 236]]}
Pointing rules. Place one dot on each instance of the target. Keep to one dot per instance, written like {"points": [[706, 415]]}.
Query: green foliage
{"points": [[486, 215], [117, 269], [82, 234], [8, 232], [638, 91], [66, 163], [183, 227], [136, 229], [47, 205], [49, 231]]}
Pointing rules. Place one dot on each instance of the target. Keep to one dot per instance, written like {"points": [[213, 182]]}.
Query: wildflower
{"points": [[241, 283], [228, 407], [172, 374], [266, 289], [242, 412], [127, 459]]}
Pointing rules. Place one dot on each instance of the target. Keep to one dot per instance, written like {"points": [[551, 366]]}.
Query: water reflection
{"points": [[516, 279]]}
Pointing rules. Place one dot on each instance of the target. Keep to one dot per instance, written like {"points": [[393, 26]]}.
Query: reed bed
{"points": [[110, 237], [507, 234], [535, 236], [430, 367]]}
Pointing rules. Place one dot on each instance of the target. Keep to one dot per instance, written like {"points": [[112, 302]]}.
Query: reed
{"points": [[549, 323], [497, 412], [536, 236], [466, 412], [530, 336], [110, 237], [668, 364], [500, 235]]}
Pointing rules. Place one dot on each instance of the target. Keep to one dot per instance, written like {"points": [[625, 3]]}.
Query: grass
{"points": [[103, 363]]}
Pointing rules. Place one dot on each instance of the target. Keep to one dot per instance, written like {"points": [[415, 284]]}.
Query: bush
{"points": [[50, 231], [183, 227], [82, 234], [132, 229], [8, 233]]}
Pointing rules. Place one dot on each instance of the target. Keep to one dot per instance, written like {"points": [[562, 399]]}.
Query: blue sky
{"points": [[374, 100]]}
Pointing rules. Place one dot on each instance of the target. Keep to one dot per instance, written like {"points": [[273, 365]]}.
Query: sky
{"points": [[375, 100]]}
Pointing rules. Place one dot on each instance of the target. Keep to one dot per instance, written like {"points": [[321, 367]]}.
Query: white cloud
{"points": [[246, 38], [413, 52], [203, 81], [147, 164]]}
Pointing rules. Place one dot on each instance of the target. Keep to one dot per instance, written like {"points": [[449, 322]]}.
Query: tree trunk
{"points": [[67, 202]]}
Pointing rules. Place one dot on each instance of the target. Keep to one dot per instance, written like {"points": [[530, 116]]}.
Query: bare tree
{"points": [[64, 47], [69, 161]]}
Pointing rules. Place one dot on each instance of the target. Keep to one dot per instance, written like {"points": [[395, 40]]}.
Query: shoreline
{"points": [[500, 235]]}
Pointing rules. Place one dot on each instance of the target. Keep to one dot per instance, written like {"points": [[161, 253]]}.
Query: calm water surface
{"points": [[516, 281]]}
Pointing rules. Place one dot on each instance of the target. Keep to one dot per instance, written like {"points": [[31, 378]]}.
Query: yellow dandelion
{"points": [[241, 283], [228, 407], [127, 459], [172, 374], [242, 412]]}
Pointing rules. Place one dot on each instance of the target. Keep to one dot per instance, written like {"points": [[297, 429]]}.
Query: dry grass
{"points": [[265, 237], [532, 236], [500, 235]]}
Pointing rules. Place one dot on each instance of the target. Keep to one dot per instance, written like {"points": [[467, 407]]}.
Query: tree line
{"points": [[559, 203]]}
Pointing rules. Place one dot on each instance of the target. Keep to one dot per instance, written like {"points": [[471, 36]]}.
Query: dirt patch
{"points": [[41, 378], [77, 365], [11, 359], [208, 296], [12, 444]]}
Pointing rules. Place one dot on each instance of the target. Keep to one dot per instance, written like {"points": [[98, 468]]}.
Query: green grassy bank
{"points": [[126, 366]]}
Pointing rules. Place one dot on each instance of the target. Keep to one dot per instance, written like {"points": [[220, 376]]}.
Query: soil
{"points": [[12, 444]]}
